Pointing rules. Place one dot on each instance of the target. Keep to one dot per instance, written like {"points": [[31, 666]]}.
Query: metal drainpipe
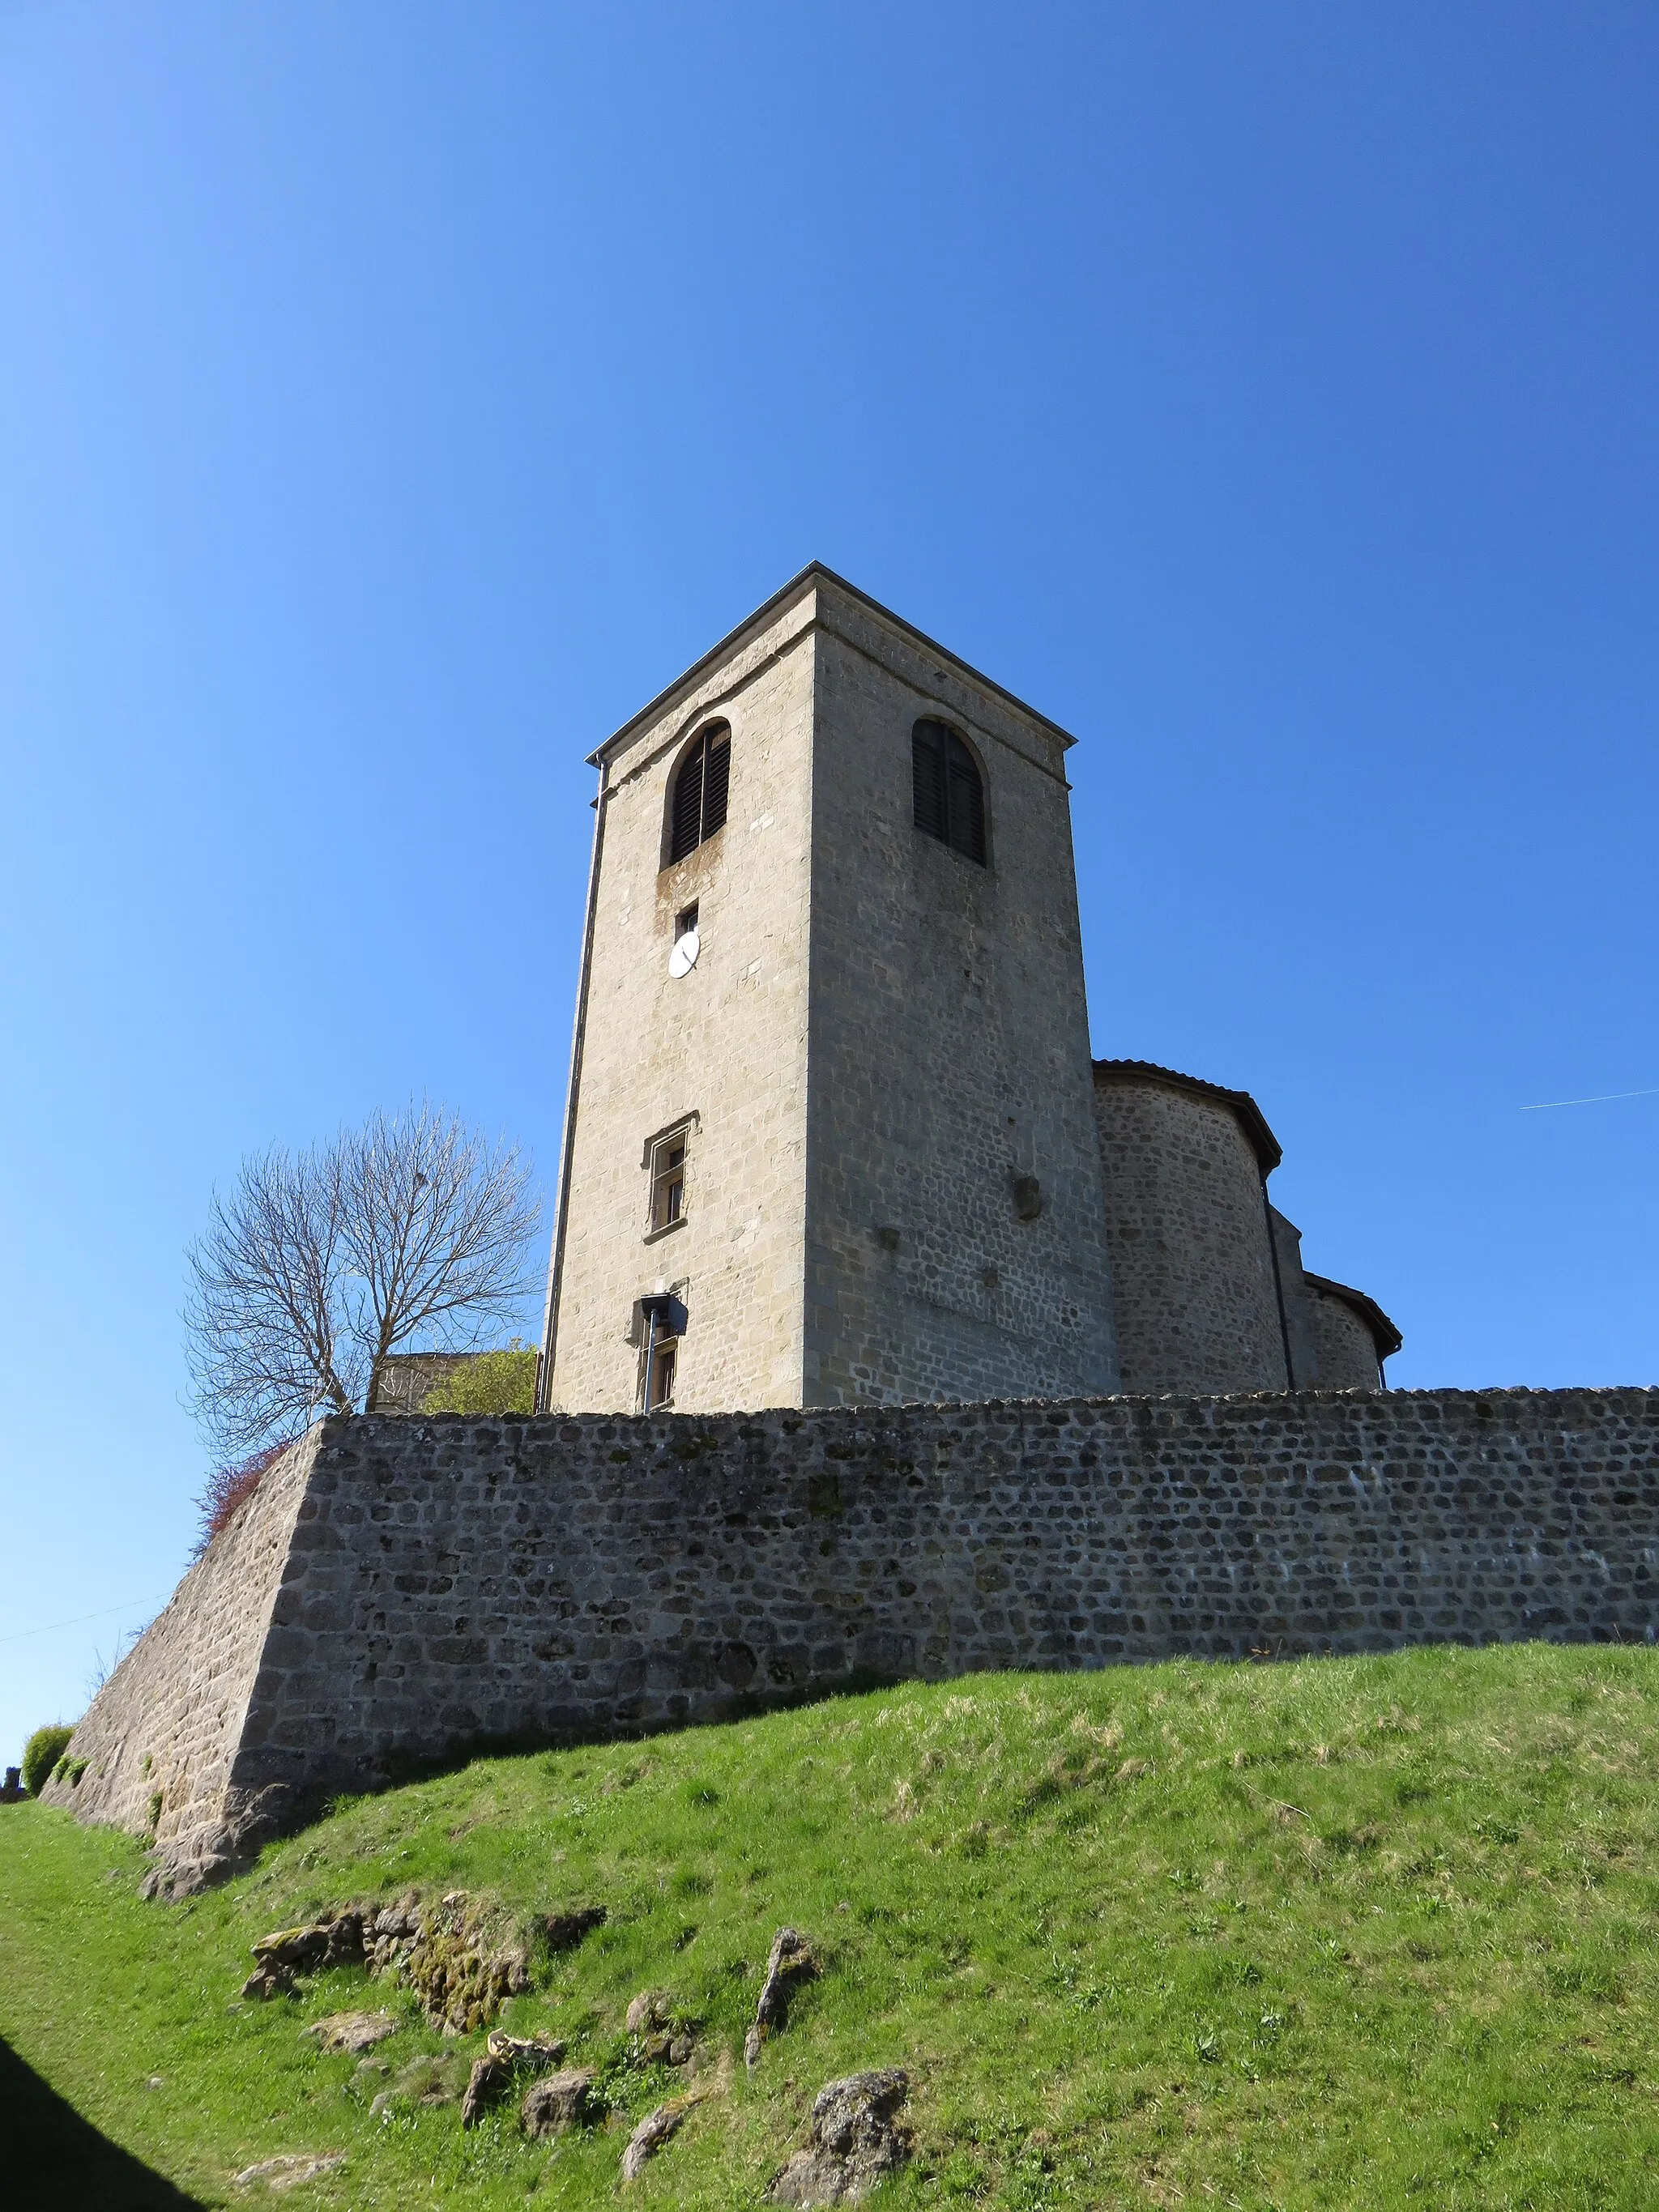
{"points": [[1278, 1286], [555, 1262], [650, 1350]]}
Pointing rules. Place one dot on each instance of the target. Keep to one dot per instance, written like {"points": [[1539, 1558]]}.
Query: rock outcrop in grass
{"points": [[1376, 1931]]}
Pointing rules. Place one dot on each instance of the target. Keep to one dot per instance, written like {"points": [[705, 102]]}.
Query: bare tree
{"points": [[319, 1264], [266, 1300]]}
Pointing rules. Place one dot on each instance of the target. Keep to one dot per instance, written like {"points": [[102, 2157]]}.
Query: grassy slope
{"points": [[1373, 1932]]}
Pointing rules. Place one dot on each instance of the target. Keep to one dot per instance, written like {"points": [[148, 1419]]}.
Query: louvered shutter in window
{"points": [[716, 777], [949, 796], [928, 778], [967, 803], [697, 808], [685, 829]]}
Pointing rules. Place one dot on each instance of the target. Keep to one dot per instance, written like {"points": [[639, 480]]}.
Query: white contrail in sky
{"points": [[1602, 1099]]}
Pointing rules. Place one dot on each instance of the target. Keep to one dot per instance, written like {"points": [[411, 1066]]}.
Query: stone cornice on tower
{"points": [[754, 627]]}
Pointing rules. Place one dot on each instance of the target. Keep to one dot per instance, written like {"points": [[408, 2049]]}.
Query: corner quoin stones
{"points": [[402, 1590]]}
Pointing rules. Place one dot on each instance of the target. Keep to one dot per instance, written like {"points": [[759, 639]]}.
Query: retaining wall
{"points": [[162, 1735], [447, 1583]]}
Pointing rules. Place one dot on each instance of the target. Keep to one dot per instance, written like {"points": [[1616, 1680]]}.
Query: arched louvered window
{"points": [[950, 799], [697, 808]]}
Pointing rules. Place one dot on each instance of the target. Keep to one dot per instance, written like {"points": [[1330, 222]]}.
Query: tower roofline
{"points": [[1250, 1118], [815, 571]]}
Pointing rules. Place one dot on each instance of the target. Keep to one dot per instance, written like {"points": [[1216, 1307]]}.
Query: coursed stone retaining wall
{"points": [[404, 1591], [160, 1738]]}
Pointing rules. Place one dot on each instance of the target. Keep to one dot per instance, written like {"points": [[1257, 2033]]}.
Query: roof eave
{"points": [[1384, 1335], [1262, 1142]]}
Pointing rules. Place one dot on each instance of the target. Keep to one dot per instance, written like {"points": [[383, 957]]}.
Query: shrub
{"points": [[228, 1488], [41, 1753], [487, 1382]]}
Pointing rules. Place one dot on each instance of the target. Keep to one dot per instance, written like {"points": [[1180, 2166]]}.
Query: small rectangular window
{"points": [[668, 1181], [659, 1384]]}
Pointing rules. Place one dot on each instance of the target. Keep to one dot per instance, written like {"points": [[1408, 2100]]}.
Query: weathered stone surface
{"points": [[525, 2050], [294, 1950], [465, 1962], [335, 1941], [856, 2141], [352, 2031], [390, 1935], [790, 1963], [624, 1574], [487, 2083], [338, 1941], [562, 2100], [651, 2133], [267, 1982], [493, 2075], [667, 2038], [291, 2172]]}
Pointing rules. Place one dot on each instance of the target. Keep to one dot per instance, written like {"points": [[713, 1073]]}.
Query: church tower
{"points": [[829, 1137]]}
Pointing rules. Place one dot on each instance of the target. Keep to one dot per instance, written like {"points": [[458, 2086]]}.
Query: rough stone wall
{"points": [[448, 1582], [170, 1718], [725, 1043], [1343, 1346], [949, 1052], [1296, 1303], [1191, 1269]]}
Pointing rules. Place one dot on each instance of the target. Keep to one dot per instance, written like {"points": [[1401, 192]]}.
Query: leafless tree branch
{"points": [[318, 1266]]}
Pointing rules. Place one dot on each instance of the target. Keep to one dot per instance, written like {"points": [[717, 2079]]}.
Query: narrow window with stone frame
{"points": [[668, 1181], [660, 1381]]}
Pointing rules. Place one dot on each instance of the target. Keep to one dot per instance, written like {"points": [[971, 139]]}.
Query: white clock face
{"points": [[684, 958]]}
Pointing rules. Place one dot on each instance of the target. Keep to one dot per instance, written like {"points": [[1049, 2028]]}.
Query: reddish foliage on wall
{"points": [[227, 1488]]}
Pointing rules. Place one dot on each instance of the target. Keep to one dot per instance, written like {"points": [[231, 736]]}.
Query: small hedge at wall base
{"points": [[41, 1753]]}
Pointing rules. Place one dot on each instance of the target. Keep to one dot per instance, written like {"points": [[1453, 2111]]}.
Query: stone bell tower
{"points": [[830, 1138]]}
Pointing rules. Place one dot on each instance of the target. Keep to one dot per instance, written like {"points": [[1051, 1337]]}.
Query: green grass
{"points": [[1350, 1932]]}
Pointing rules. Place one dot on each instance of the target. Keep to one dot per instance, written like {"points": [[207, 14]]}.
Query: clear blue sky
{"points": [[393, 397]]}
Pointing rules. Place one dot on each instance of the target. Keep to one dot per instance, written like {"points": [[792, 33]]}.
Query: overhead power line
{"points": [[130, 1606]]}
